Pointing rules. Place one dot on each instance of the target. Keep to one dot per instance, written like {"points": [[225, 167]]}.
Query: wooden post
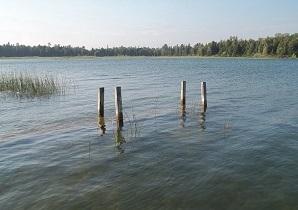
{"points": [[183, 102], [183, 93], [100, 109], [118, 106], [100, 102], [203, 94]]}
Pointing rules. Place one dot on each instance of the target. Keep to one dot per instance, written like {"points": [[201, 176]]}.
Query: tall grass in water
{"points": [[26, 84]]}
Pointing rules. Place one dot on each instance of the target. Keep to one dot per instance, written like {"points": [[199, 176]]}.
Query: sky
{"points": [[152, 23]]}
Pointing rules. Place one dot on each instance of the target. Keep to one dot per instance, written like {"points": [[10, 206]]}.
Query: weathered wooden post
{"points": [[183, 102], [118, 106], [100, 102], [183, 93], [203, 95], [100, 109]]}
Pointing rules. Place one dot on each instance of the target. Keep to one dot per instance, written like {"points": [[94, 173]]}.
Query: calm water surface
{"points": [[241, 154]]}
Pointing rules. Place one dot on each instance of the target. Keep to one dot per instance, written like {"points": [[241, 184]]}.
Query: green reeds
{"points": [[31, 85]]}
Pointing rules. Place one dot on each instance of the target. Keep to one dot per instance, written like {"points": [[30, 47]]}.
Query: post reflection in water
{"points": [[203, 109], [182, 116], [119, 139], [101, 125]]}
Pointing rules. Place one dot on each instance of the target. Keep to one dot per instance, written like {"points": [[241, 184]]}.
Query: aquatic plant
{"points": [[133, 125], [31, 85], [131, 129]]}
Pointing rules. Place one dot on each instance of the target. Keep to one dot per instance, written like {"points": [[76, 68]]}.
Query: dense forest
{"points": [[281, 45]]}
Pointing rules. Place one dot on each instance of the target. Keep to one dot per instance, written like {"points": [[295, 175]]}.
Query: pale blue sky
{"points": [[97, 23]]}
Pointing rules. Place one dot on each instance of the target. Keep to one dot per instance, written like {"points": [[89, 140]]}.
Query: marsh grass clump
{"points": [[26, 84]]}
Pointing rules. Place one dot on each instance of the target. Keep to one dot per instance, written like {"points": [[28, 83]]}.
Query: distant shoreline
{"points": [[278, 46], [174, 57]]}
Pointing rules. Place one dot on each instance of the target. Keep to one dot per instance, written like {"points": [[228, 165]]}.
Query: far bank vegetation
{"points": [[280, 45]]}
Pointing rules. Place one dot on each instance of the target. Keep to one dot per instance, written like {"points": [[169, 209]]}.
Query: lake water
{"points": [[241, 154]]}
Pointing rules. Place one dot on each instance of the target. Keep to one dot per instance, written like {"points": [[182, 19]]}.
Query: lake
{"points": [[242, 153]]}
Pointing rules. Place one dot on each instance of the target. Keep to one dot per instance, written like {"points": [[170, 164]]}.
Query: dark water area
{"points": [[242, 153]]}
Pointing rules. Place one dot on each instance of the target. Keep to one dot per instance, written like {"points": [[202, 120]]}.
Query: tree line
{"points": [[280, 45]]}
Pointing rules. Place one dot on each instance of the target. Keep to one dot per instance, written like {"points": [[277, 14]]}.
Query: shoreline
{"points": [[157, 57]]}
